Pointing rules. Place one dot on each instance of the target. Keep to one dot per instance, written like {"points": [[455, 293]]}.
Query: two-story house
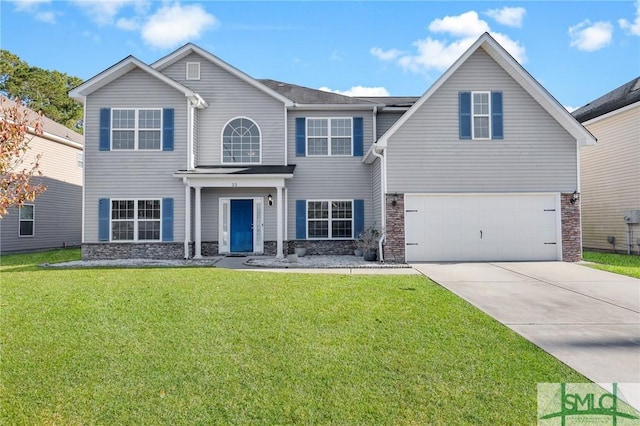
{"points": [[54, 218], [189, 157]]}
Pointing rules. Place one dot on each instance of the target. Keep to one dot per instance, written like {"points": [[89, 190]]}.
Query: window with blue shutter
{"points": [[496, 116], [301, 140], [167, 129], [103, 219], [301, 219], [167, 219], [464, 113], [105, 129], [358, 137]]}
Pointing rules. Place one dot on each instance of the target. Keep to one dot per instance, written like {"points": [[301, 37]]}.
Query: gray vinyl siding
{"points": [[536, 154], [58, 211], [230, 97], [134, 174], [376, 197], [211, 209], [610, 180], [58, 219], [385, 120], [329, 178]]}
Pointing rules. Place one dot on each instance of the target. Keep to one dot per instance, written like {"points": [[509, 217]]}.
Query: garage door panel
{"points": [[481, 227]]}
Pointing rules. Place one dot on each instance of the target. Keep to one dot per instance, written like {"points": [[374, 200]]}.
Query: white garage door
{"points": [[482, 227]]}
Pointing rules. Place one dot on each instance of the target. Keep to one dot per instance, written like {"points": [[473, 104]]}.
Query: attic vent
{"points": [[193, 70]]}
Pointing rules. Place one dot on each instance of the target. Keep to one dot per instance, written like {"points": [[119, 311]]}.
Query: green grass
{"points": [[209, 346], [619, 263]]}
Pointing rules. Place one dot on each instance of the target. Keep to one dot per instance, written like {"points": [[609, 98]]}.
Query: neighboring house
{"points": [[54, 218], [189, 157], [610, 170]]}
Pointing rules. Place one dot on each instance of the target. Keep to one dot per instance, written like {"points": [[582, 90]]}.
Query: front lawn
{"points": [[619, 263], [207, 346]]}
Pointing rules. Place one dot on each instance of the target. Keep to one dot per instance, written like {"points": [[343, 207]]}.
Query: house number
{"points": [[234, 184]]}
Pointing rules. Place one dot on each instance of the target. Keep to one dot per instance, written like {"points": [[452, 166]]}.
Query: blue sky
{"points": [[578, 50]]}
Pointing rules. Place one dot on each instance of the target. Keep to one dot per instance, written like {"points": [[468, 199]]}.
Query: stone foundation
{"points": [[322, 247], [571, 232], [394, 240], [108, 251]]}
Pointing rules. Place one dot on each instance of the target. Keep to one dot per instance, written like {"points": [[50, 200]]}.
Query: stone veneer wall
{"points": [[394, 241], [95, 251], [571, 232], [323, 247]]}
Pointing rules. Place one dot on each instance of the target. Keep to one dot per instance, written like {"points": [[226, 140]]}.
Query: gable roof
{"points": [[118, 70], [620, 97], [306, 96], [190, 48], [519, 74]]}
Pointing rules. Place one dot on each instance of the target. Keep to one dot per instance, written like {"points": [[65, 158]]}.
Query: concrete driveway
{"points": [[588, 319]]}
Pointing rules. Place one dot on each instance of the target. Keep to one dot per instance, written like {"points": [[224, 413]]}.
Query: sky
{"points": [[578, 50]]}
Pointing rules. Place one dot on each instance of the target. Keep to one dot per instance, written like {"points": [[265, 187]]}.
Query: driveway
{"points": [[586, 318]]}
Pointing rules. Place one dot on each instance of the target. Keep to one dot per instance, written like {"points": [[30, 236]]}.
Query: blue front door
{"points": [[241, 225]]}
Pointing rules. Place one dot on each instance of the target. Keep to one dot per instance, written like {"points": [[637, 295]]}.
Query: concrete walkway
{"points": [[586, 318]]}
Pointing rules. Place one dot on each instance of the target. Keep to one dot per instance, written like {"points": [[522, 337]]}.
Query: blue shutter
{"points": [[496, 116], [301, 140], [358, 217], [167, 129], [167, 219], [301, 219], [464, 108], [358, 137], [105, 129], [103, 219]]}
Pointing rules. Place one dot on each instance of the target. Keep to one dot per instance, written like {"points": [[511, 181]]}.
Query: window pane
{"points": [[481, 103], [149, 139], [317, 127], [26, 228], [122, 230], [481, 127], [241, 142], [122, 209], [124, 119], [318, 146], [123, 139], [341, 210], [340, 146], [318, 210], [318, 229], [149, 230], [341, 127], [26, 212], [341, 229], [149, 209], [149, 119]]}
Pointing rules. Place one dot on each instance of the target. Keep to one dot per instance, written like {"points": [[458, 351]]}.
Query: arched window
{"points": [[241, 142]]}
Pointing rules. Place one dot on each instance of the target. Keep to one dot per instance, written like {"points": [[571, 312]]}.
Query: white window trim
{"points": [[187, 71], [474, 115], [33, 234], [330, 219], [222, 143], [135, 220], [328, 154], [136, 129]]}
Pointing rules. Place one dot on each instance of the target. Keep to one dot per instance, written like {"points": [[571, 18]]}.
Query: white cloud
{"points": [[359, 91], [48, 17], [128, 24], [385, 55], [632, 27], [590, 37], [29, 5], [465, 25], [176, 24], [509, 16], [103, 12], [438, 53]]}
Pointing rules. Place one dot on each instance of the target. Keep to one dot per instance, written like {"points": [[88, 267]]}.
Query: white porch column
{"points": [[187, 219], [279, 222], [198, 224]]}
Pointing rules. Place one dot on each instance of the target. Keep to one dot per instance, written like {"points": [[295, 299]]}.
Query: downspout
{"points": [[383, 191]]}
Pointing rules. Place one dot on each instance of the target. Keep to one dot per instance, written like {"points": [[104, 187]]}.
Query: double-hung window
{"points": [[26, 217], [330, 219], [136, 129], [481, 115], [135, 220], [329, 136]]}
